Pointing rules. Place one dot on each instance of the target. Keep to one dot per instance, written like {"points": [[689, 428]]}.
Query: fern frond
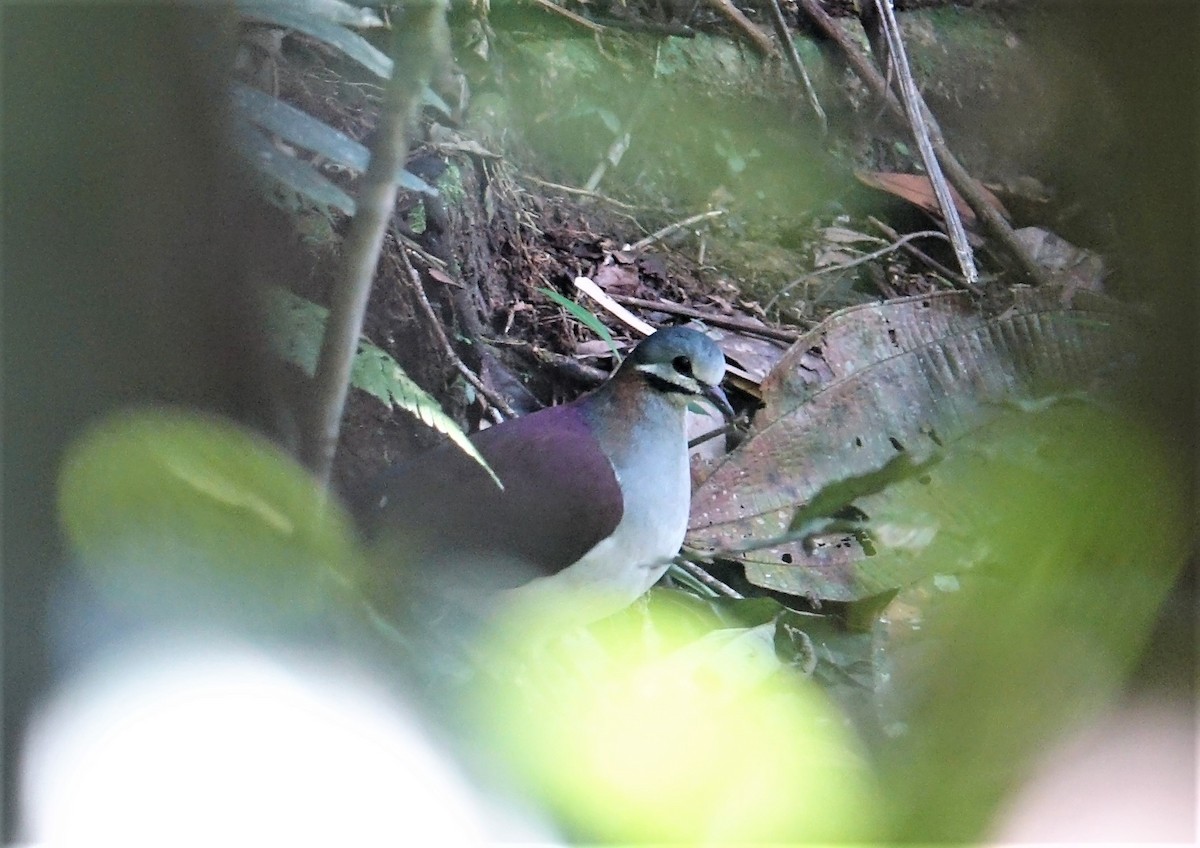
{"points": [[295, 327]]}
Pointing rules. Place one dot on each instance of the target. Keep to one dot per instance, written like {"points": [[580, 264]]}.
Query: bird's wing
{"points": [[560, 494]]}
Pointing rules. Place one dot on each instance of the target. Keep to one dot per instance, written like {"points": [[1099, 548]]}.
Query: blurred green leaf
{"points": [[299, 176], [162, 500], [1079, 520], [430, 98], [334, 11], [648, 731], [294, 16], [298, 127]]}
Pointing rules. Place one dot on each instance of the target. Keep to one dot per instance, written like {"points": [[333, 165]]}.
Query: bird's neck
{"points": [[626, 412]]}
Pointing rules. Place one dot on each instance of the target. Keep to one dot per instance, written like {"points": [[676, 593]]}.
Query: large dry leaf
{"points": [[874, 386], [917, 190]]}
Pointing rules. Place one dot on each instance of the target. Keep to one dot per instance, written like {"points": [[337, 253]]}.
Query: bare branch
{"points": [[420, 42], [993, 222]]}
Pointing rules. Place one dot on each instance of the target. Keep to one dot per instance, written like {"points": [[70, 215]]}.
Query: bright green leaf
{"points": [[295, 327], [161, 505], [584, 316]]}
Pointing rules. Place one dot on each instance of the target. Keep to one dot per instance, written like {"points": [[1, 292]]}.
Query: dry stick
{"points": [[566, 365], [569, 15], [470, 376], [697, 571], [793, 58], [428, 258], [919, 118], [992, 221], [883, 251], [922, 256], [739, 324], [420, 42], [659, 235], [739, 20], [583, 192], [616, 150]]}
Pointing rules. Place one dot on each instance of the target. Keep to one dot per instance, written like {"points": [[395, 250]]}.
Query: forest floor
{"points": [[684, 169]]}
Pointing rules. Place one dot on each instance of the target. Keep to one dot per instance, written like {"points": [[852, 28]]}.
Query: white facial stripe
{"points": [[667, 373]]}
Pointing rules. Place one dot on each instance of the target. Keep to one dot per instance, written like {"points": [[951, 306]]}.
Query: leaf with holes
{"points": [[869, 401]]}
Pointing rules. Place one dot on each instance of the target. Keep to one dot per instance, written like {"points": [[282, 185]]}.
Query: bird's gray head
{"points": [[683, 363]]}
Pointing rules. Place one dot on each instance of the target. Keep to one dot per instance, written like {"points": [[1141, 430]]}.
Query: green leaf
{"points": [[302, 20], [161, 504], [430, 98], [287, 170], [334, 11], [584, 316], [300, 128], [295, 327]]}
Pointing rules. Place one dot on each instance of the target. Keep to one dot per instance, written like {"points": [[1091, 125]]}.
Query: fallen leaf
{"points": [[873, 383], [916, 189]]}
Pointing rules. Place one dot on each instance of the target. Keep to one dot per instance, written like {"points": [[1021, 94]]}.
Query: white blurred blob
{"points": [[229, 747], [1129, 778]]}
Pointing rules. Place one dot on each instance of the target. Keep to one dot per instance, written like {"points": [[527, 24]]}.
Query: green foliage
{"points": [[162, 503], [584, 316], [295, 327], [255, 111], [416, 219], [287, 170], [652, 726], [1079, 521], [450, 184], [316, 21]]}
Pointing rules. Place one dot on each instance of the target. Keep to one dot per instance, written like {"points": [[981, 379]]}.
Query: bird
{"points": [[596, 492]]}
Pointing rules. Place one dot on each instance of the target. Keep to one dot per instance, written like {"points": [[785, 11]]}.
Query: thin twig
{"points": [[420, 44], [715, 433], [583, 192], [918, 116], [789, 537], [921, 256], [883, 251], [679, 30], [470, 376], [568, 366], [741, 325], [698, 571], [659, 235], [992, 221], [793, 58], [620, 144]]}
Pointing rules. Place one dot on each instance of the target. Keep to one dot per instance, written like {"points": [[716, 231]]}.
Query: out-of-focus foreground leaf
{"points": [[865, 400], [1084, 522], [169, 510], [655, 728]]}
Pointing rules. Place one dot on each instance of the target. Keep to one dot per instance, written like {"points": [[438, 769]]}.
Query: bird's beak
{"points": [[717, 397]]}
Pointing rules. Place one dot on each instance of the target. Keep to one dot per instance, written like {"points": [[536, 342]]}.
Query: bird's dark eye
{"points": [[683, 365]]}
